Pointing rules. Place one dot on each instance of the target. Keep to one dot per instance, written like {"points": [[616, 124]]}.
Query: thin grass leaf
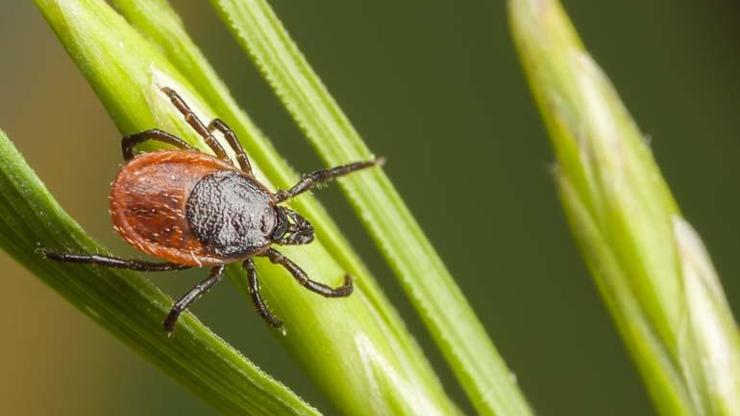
{"points": [[126, 304], [650, 266], [156, 20], [348, 346], [442, 306]]}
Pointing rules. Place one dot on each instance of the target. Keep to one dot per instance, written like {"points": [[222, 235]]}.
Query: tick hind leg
{"points": [[182, 304], [196, 124], [327, 291], [312, 179], [108, 261], [129, 142], [254, 291]]}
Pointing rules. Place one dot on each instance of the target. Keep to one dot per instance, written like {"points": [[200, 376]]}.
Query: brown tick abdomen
{"points": [[148, 204]]}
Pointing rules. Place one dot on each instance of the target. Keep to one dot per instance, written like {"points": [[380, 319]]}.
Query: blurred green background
{"points": [[436, 87]]}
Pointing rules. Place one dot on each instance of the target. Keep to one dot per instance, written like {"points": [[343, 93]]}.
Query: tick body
{"points": [[192, 209]]}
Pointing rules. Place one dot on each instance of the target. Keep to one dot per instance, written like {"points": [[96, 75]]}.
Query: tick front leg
{"points": [[108, 261], [182, 304], [327, 291], [254, 291], [312, 179], [129, 142], [196, 124], [241, 155]]}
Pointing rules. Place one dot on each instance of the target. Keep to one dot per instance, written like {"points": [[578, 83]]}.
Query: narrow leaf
{"points": [[432, 290], [126, 304], [157, 20], [353, 340], [650, 266]]}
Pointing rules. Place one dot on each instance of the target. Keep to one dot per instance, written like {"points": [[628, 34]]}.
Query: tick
{"points": [[192, 209]]}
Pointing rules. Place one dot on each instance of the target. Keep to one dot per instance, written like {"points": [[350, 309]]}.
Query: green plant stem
{"points": [[348, 346], [650, 266], [126, 304], [442, 306], [157, 20]]}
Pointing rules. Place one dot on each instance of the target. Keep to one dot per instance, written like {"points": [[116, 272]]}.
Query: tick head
{"points": [[291, 228]]}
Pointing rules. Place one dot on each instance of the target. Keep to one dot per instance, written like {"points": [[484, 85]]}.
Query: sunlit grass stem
{"points": [[651, 267], [355, 349]]}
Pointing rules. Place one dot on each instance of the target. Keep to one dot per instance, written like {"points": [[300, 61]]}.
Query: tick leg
{"points": [[196, 124], [107, 261], [254, 290], [182, 304], [312, 179], [342, 291], [241, 155], [128, 142]]}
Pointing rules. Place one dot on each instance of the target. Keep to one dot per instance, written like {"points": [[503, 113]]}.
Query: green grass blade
{"points": [[442, 306], [650, 266], [157, 20], [126, 304], [352, 347]]}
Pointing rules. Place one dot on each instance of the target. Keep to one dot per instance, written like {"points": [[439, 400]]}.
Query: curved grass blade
{"points": [[128, 305], [432, 290], [156, 20], [349, 339], [650, 266]]}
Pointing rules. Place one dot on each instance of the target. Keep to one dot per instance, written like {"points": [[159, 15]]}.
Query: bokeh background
{"points": [[436, 86]]}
